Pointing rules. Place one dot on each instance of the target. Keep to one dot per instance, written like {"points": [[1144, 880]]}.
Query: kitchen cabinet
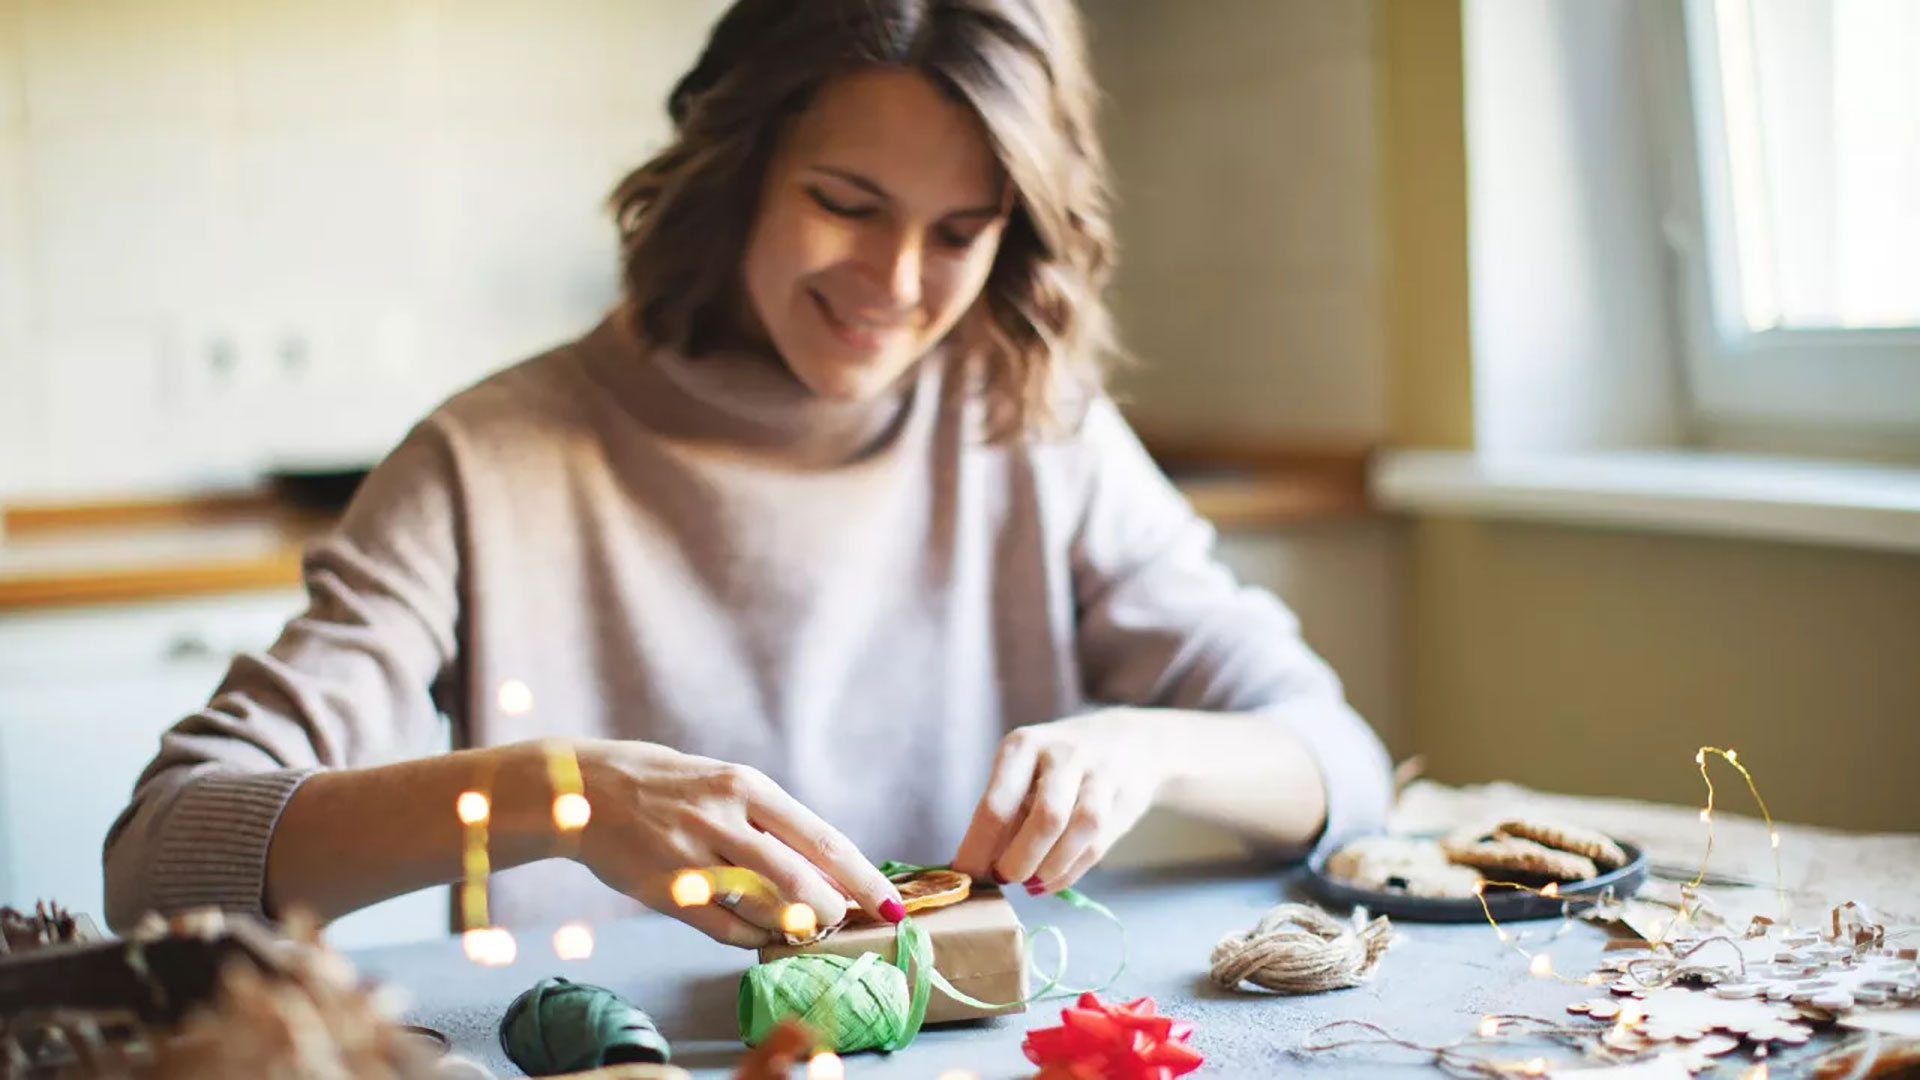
{"points": [[84, 697]]}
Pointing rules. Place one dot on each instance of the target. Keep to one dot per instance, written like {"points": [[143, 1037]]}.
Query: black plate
{"points": [[1507, 905]]}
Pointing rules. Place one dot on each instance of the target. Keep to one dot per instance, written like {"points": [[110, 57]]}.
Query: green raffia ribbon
{"points": [[559, 1026], [868, 1003]]}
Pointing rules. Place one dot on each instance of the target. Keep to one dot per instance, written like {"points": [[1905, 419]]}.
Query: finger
{"points": [[1091, 812], [999, 808], [791, 875], [827, 848], [722, 925], [1055, 792], [1088, 859]]}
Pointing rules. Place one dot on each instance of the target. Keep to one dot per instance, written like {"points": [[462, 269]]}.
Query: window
{"points": [[1799, 221]]}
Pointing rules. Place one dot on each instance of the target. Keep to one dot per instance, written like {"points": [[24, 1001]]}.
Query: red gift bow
{"points": [[1097, 1041]]}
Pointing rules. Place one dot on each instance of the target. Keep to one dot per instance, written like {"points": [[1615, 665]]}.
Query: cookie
{"points": [[1605, 854], [1515, 855], [923, 890], [1403, 865]]}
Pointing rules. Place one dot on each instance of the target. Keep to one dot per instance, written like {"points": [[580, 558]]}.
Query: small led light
{"points": [[1631, 1014], [574, 941], [1774, 838], [1489, 1026], [472, 807], [1552, 889], [1541, 965], [691, 888], [571, 812], [1706, 814], [515, 698], [826, 1065], [799, 920], [1733, 756], [491, 946], [1699, 757], [1535, 1067]]}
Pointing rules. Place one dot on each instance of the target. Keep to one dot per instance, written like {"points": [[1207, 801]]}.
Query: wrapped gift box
{"points": [[978, 945]]}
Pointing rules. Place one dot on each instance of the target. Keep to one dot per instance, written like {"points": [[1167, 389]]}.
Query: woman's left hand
{"points": [[1061, 793]]}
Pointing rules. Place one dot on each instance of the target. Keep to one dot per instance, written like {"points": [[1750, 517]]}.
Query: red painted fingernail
{"points": [[1034, 889], [892, 910], [999, 878], [1033, 882]]}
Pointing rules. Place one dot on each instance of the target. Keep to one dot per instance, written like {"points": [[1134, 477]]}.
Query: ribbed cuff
{"points": [[213, 848], [1354, 770]]}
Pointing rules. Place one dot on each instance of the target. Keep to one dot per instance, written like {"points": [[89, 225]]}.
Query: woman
{"points": [[823, 548]]}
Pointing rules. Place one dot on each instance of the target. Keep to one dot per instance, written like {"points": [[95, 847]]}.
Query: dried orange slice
{"points": [[923, 890]]}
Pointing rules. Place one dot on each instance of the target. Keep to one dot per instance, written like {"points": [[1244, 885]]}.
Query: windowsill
{"points": [[1858, 506]]}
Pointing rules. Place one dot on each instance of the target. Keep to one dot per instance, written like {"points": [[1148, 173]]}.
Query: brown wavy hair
{"points": [[1040, 324]]}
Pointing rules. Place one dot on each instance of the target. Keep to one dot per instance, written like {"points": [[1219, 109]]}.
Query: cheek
{"points": [[788, 248], [953, 288]]}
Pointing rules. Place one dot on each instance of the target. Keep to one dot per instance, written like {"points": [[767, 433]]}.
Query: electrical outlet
{"points": [[220, 361]]}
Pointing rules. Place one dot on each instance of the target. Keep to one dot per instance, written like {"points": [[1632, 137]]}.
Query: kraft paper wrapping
{"points": [[978, 944]]}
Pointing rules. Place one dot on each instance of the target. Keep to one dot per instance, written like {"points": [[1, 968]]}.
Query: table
{"points": [[1432, 987]]}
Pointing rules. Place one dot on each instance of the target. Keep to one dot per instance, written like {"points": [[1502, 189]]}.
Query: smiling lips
{"points": [[864, 335]]}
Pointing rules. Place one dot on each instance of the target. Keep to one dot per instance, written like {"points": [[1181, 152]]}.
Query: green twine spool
{"points": [[559, 1026], [866, 1003], [849, 1003]]}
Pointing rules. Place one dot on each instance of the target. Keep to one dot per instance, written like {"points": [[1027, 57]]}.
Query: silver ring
{"points": [[730, 899]]}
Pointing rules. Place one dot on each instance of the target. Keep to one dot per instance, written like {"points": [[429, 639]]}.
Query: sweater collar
{"points": [[744, 399]]}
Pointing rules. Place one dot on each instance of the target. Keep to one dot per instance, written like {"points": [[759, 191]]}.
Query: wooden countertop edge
{"points": [[278, 570], [1237, 488], [38, 518]]}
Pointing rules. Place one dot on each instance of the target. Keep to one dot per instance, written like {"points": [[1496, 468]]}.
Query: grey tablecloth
{"points": [[1432, 987]]}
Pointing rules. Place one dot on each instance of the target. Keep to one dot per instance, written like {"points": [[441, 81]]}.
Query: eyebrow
{"points": [[867, 185]]}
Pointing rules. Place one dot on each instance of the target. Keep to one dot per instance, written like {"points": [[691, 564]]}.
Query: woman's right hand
{"points": [[657, 812]]}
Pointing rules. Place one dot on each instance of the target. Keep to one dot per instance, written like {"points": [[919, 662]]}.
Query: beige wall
{"points": [[1245, 140], [1246, 156], [1245, 144], [1597, 662]]}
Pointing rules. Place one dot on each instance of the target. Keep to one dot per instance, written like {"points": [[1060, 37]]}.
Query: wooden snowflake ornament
{"points": [[1674, 1014], [1833, 974]]}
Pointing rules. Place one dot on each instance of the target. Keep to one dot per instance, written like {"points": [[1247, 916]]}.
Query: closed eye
{"points": [[840, 209], [956, 239]]}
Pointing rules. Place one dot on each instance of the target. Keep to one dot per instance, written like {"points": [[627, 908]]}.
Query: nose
{"points": [[895, 263]]}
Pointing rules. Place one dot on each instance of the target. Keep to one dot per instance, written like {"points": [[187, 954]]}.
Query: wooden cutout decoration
{"points": [[1695, 1056], [1831, 974], [1851, 968], [1664, 1067], [1675, 1014]]}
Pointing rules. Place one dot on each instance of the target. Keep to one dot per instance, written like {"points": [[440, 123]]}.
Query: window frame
{"points": [[1865, 381]]}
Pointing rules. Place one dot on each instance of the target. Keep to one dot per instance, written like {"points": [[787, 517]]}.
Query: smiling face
{"points": [[877, 226]]}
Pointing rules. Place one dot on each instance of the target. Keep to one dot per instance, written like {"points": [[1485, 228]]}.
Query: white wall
{"points": [[1572, 289], [362, 203]]}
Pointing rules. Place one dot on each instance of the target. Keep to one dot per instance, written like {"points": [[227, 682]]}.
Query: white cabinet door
{"points": [[69, 757], [84, 697]]}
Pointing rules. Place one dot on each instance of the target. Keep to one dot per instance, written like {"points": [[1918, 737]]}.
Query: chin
{"points": [[848, 378]]}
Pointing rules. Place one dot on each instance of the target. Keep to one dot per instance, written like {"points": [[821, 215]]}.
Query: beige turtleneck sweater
{"points": [[857, 599]]}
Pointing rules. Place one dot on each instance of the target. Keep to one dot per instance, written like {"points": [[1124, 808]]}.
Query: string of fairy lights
{"points": [[495, 946], [1631, 1014]]}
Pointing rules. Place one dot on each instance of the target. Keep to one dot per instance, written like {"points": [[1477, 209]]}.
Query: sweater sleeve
{"points": [[1162, 623], [349, 682]]}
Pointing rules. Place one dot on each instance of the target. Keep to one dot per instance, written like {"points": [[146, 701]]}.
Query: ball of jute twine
{"points": [[1299, 949]]}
